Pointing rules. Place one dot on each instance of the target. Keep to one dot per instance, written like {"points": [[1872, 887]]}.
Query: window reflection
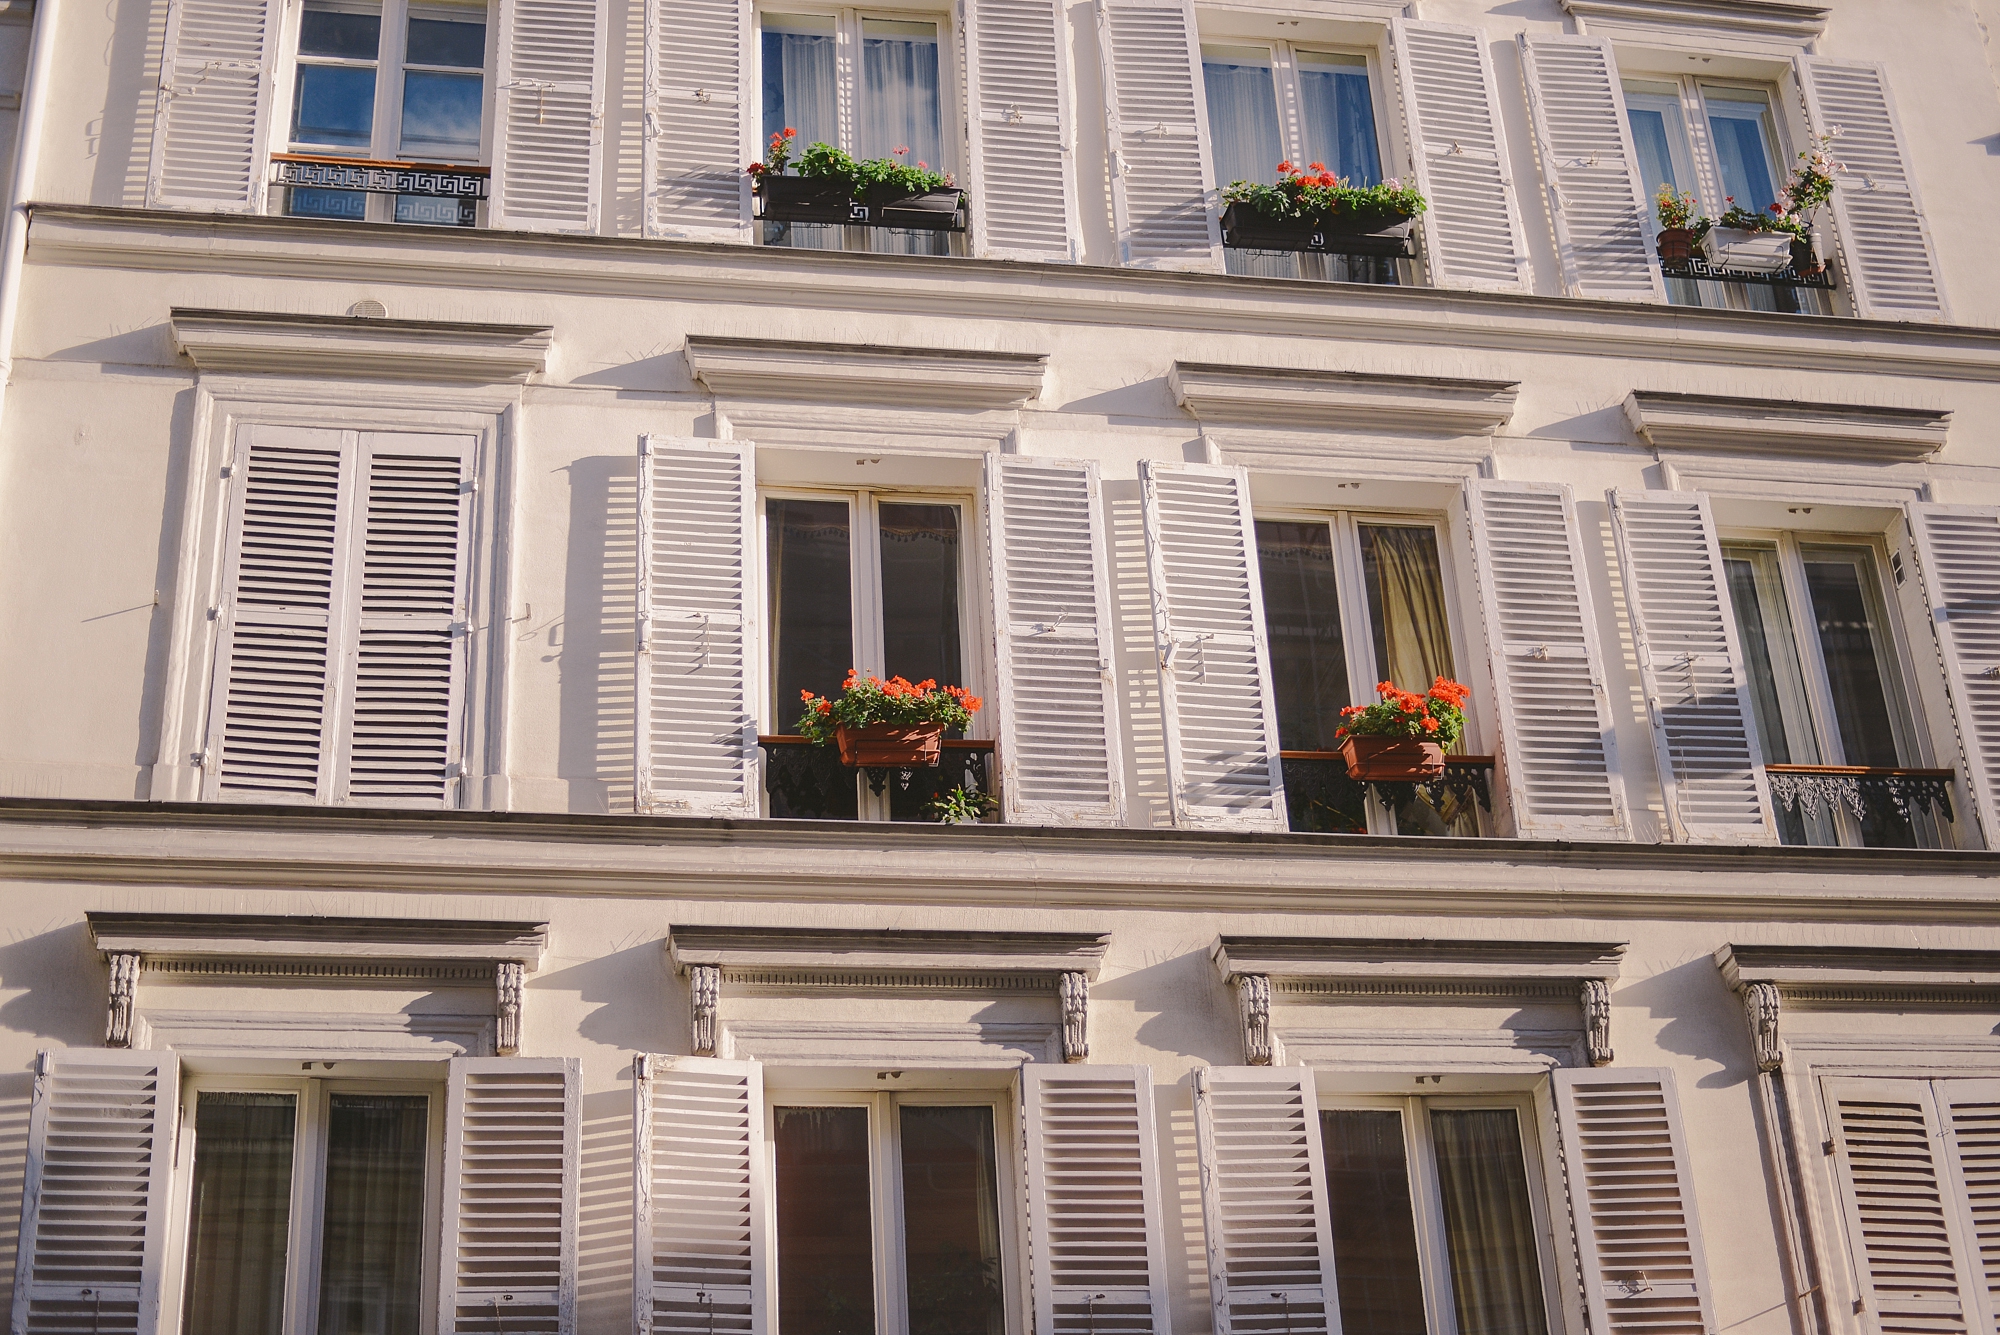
{"points": [[240, 1214], [1374, 1231], [826, 1235], [951, 1222]]}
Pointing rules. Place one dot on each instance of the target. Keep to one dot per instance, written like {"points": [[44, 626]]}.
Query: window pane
{"points": [[312, 202], [1406, 605], [812, 614], [899, 92], [1242, 113], [240, 1213], [826, 1247], [1777, 687], [1302, 622], [334, 106], [441, 114], [951, 1222], [1496, 1280], [1850, 636], [372, 1247], [1339, 115], [1742, 148], [1374, 1232], [347, 36], [920, 593], [446, 42], [799, 77]]}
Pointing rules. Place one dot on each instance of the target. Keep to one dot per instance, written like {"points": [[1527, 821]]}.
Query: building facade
{"points": [[432, 470]]}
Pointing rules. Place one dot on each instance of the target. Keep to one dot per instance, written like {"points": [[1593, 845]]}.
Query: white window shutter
{"points": [[1472, 230], [1157, 121], [1596, 198], [1098, 1258], [1958, 549], [698, 105], [96, 1192], [1971, 1119], [1632, 1197], [512, 1161], [1892, 271], [698, 650], [1558, 755], [1223, 768], [1264, 1201], [549, 115], [1691, 666], [1061, 760], [1018, 119], [212, 113]]}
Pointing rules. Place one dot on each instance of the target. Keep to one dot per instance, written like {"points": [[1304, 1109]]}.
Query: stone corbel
{"points": [[1760, 1011], [124, 986], [1594, 996], [507, 976], [704, 997], [1253, 999], [1074, 991]]}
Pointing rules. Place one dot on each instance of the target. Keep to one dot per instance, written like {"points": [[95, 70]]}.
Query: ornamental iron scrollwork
{"points": [[1320, 798], [382, 179], [808, 782], [1699, 268], [1887, 792]]}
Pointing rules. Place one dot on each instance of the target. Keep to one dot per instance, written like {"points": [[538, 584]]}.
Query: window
{"points": [[1274, 102], [888, 1215]]}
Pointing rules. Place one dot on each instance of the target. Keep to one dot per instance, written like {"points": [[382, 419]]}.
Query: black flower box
{"points": [[803, 199], [1244, 228]]}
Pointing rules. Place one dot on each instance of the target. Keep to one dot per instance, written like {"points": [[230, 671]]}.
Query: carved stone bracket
{"points": [[1253, 999], [507, 1008], [1074, 991], [704, 995], [1760, 1010], [1594, 996], [124, 985]]}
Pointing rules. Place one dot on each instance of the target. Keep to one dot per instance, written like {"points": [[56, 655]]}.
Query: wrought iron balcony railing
{"points": [[807, 782], [457, 186], [1868, 793], [1321, 799]]}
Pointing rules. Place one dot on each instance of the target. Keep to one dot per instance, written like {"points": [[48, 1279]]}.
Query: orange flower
{"points": [[825, 707], [806, 696], [1430, 725], [971, 703]]}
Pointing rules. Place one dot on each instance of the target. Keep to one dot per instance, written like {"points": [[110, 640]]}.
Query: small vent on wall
{"points": [[368, 310]]}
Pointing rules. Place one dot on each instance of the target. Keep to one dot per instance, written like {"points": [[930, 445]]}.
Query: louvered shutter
{"points": [[1158, 126], [549, 115], [1264, 1201], [697, 90], [1691, 667], [1558, 759], [697, 741], [1215, 669], [1093, 1200], [1023, 201], [1971, 1120], [701, 1197], [1472, 230], [1958, 547], [95, 1195], [510, 1191], [1060, 756], [212, 112], [1892, 266], [1632, 1197], [1596, 198]]}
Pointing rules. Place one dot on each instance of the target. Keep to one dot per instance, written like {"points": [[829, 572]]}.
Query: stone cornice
{"points": [[265, 342], [1858, 968], [819, 951], [273, 937], [753, 368], [1853, 432], [1300, 958], [1723, 27], [1342, 401]]}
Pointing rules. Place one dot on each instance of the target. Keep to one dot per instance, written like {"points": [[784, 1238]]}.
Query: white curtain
{"points": [[1339, 116]]}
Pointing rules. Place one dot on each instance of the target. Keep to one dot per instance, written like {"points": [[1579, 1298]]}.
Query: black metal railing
{"points": [[1321, 799], [446, 193], [808, 782], [1698, 268], [1890, 805]]}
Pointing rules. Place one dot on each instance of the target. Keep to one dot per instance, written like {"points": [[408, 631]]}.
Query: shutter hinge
{"points": [[1826, 1147], [470, 486], [199, 759], [455, 770], [645, 446], [214, 612], [461, 628], [228, 470], [1859, 1306]]}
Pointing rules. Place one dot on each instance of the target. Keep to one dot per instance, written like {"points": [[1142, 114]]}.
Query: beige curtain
{"points": [[1406, 605], [1496, 1278]]}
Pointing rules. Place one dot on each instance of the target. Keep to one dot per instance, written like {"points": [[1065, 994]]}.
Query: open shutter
{"points": [[510, 1186], [1215, 670], [1023, 201], [1958, 547], [1625, 1157], [1264, 1201], [95, 1195], [1059, 748], [1592, 174], [1472, 230], [1891, 265], [213, 107], [1691, 666], [1971, 1118], [698, 59], [701, 1199], [697, 743], [549, 115], [1559, 759], [1158, 127], [1093, 1200]]}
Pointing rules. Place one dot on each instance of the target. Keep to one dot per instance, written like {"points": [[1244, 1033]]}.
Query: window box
{"points": [[1808, 256], [803, 199], [885, 744], [1243, 228], [1388, 758], [1747, 252]]}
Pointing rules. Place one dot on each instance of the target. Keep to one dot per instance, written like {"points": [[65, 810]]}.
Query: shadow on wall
{"points": [[121, 139], [635, 1002], [596, 642], [1183, 1006], [17, 1091], [60, 987], [1138, 668], [1704, 1019], [1185, 1243], [166, 565], [604, 1210]]}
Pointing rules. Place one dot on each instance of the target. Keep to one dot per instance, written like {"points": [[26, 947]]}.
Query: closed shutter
{"points": [[213, 107], [698, 656], [1059, 749], [1588, 165], [1558, 759], [1972, 1129], [549, 115], [1691, 666], [1264, 1201], [702, 1199], [1892, 267], [697, 82], [1158, 127], [1099, 1264], [1017, 67], [1472, 231], [1958, 547], [1625, 1157], [95, 1193], [1215, 670]]}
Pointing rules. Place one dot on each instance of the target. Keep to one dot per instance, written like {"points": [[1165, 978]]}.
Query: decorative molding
{"points": [[1253, 1000], [1427, 989], [507, 1008], [1527, 1052], [1715, 27], [1770, 977], [320, 1034], [1073, 990], [1594, 1000], [752, 368], [704, 992], [893, 1047], [1760, 1011], [348, 972], [124, 986], [1342, 402], [1853, 432], [269, 342]]}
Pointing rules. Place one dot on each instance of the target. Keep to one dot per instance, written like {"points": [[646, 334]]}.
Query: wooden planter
{"points": [[1392, 758], [1243, 228], [886, 746], [802, 199], [1676, 244], [1746, 251]]}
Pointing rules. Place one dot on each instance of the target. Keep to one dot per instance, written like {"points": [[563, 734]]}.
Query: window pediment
{"points": [[753, 368], [1356, 400], [1767, 977], [1763, 26], [1857, 432], [274, 343]]}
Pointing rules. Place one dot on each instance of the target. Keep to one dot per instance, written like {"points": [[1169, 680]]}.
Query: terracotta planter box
{"points": [[1747, 252], [1676, 244], [1243, 228], [1392, 758], [886, 746]]}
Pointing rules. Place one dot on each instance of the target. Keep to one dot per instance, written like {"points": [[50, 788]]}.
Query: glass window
{"points": [[1302, 625], [442, 104], [920, 631], [826, 1226], [240, 1210], [798, 77], [1745, 147], [811, 599], [1338, 112], [333, 100], [1406, 605], [372, 1244], [1243, 139]]}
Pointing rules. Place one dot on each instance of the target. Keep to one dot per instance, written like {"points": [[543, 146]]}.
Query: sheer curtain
{"points": [[1374, 1228], [1339, 115], [1406, 605], [900, 108], [1244, 143], [240, 1213], [800, 88], [1496, 1278], [372, 1247]]}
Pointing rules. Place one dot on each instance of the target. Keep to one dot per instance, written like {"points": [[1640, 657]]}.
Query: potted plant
{"points": [[1403, 736], [1313, 210], [1677, 221], [1747, 242], [883, 724], [1779, 239], [835, 187]]}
